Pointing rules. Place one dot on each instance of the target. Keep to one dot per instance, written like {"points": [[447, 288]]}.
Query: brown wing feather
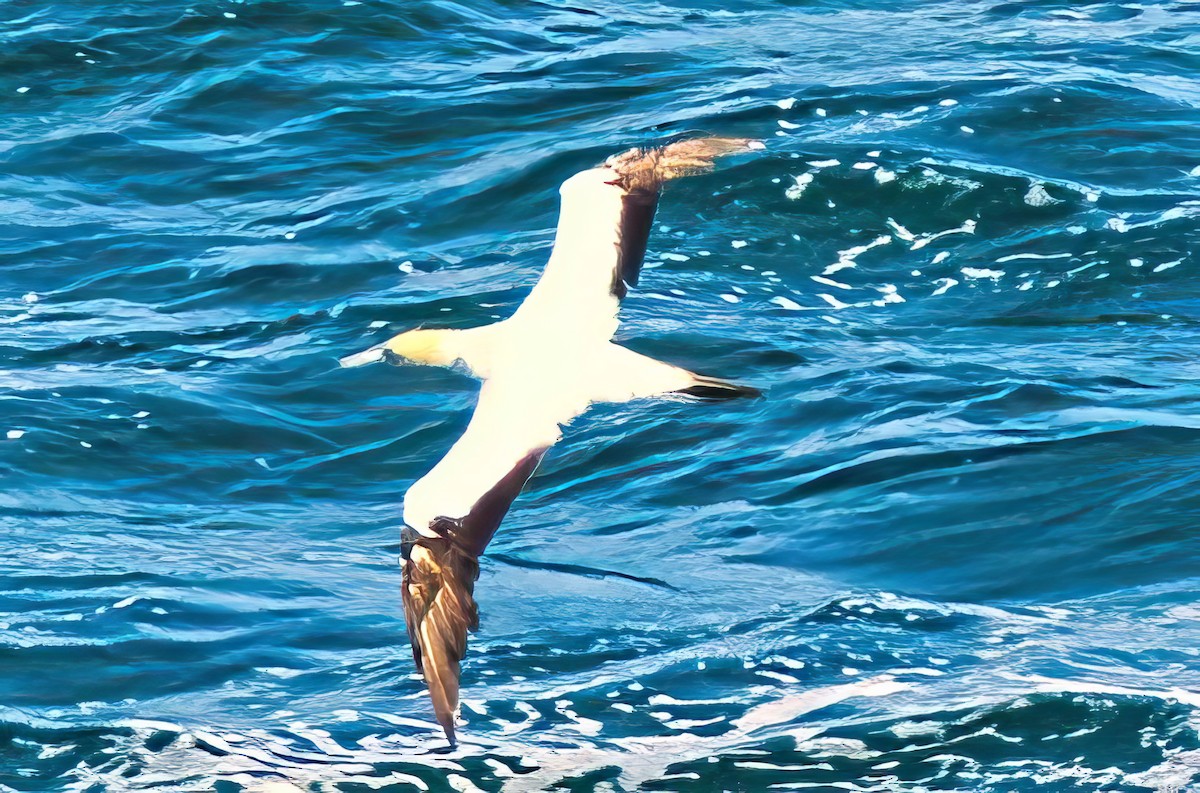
{"points": [[647, 169], [439, 607], [641, 173], [633, 235], [439, 588]]}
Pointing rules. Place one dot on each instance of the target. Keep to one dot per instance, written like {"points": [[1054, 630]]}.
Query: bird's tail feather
{"points": [[649, 168]]}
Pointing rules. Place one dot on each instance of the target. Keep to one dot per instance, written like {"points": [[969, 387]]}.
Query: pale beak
{"points": [[369, 355]]}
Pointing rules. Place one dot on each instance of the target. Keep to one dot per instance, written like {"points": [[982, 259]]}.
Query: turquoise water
{"points": [[954, 549]]}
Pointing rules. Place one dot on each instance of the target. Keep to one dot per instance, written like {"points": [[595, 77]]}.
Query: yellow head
{"points": [[421, 346], [429, 347]]}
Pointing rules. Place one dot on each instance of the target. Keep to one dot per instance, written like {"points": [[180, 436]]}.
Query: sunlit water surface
{"points": [[955, 549]]}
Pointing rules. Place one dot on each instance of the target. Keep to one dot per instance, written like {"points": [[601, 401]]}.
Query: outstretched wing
{"points": [[603, 228], [454, 511], [439, 609]]}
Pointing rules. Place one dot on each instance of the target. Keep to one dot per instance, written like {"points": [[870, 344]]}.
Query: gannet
{"points": [[540, 368]]}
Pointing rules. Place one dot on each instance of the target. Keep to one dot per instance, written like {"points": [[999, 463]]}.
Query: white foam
{"points": [[944, 285], [790, 707], [674, 257], [824, 163], [846, 258], [1038, 197], [900, 231], [462, 784], [890, 295], [820, 111], [30, 297], [820, 279], [786, 104], [833, 301], [1017, 256], [948, 103], [787, 124], [974, 273], [728, 298], [882, 175], [1167, 265], [796, 190], [738, 243], [968, 227], [790, 305], [406, 267], [1057, 685], [866, 165], [967, 130], [12, 435]]}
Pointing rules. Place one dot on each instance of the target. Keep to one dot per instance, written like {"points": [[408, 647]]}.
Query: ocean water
{"points": [[955, 548]]}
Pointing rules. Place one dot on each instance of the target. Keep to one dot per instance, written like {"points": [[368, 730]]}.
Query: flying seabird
{"points": [[540, 368]]}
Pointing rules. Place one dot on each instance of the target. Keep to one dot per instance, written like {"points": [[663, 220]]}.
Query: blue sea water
{"points": [[954, 549]]}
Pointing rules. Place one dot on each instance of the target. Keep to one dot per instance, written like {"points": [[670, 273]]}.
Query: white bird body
{"points": [[541, 367], [536, 380]]}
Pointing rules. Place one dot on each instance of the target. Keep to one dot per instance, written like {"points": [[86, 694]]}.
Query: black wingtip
{"points": [[713, 389]]}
